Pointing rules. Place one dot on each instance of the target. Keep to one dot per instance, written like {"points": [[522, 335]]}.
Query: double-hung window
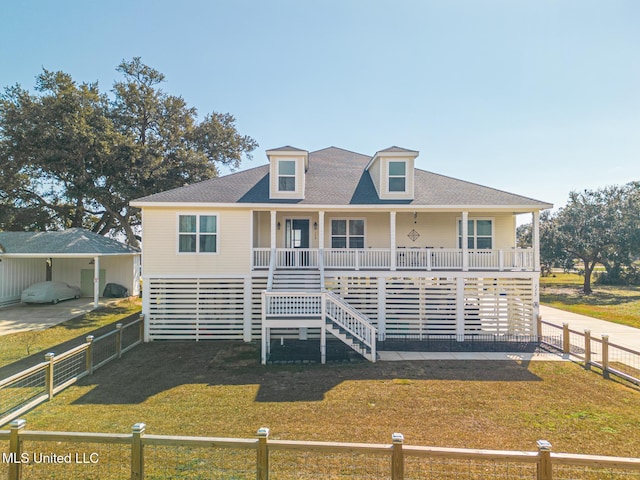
{"points": [[480, 234], [347, 233], [397, 176], [198, 233], [287, 176]]}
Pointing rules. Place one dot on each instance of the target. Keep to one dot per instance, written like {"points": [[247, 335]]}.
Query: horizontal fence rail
{"points": [[70, 455], [610, 358], [25, 390], [405, 258]]}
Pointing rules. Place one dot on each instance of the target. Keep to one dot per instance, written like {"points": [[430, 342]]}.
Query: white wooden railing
{"points": [[355, 323], [292, 304], [405, 258], [324, 305]]}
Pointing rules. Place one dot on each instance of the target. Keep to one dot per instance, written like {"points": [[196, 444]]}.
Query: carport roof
{"points": [[73, 242]]}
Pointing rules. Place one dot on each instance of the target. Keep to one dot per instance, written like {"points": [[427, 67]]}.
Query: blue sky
{"points": [[535, 97]]}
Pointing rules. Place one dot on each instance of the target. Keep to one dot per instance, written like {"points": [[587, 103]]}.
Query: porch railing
{"points": [[405, 258]]}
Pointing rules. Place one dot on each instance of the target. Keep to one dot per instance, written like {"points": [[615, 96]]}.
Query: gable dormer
{"points": [[392, 172], [287, 171]]}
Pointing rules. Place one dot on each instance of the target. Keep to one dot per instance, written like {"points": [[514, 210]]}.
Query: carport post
{"points": [[96, 281]]}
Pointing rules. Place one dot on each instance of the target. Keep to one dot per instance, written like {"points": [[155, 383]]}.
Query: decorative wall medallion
{"points": [[413, 235]]}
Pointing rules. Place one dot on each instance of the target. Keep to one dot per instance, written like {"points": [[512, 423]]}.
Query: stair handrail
{"points": [[367, 336]]}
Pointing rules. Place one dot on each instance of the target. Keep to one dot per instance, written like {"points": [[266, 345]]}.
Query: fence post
{"points": [[587, 349], [49, 357], [137, 453], [539, 327], [262, 466], [119, 339], [566, 339], [15, 448], [89, 358], [605, 356], [545, 470], [397, 457], [142, 320]]}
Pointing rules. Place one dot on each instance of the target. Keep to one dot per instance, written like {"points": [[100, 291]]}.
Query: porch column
{"points": [[321, 229], [535, 240], [273, 230], [96, 281], [465, 241], [392, 238]]}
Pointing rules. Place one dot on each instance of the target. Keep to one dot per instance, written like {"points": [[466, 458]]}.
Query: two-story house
{"points": [[336, 243]]}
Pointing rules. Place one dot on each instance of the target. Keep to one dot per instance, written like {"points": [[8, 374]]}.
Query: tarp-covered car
{"points": [[49, 292]]}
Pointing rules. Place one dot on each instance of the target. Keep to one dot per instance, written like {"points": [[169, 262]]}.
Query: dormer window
{"points": [[287, 176], [393, 174], [397, 176], [287, 172]]}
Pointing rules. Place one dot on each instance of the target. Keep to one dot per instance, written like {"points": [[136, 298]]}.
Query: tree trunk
{"points": [[588, 270]]}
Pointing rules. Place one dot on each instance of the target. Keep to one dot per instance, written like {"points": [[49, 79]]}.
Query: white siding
{"points": [[16, 274], [160, 249]]}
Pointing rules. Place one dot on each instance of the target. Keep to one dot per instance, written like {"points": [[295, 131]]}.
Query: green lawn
{"points": [[613, 303], [220, 389], [19, 345]]}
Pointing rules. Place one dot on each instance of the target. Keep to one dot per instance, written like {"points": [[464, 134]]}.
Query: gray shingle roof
{"points": [[74, 241], [338, 177]]}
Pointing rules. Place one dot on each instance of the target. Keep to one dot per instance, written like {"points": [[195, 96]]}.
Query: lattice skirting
{"points": [[203, 308]]}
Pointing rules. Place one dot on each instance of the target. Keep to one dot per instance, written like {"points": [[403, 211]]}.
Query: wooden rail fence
{"points": [[68, 455], [610, 358], [26, 389]]}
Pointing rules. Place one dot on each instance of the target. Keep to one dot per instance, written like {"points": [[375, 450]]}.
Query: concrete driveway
{"points": [[23, 317], [619, 334]]}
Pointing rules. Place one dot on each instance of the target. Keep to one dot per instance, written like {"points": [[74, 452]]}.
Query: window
{"points": [[480, 234], [347, 233], [397, 176], [287, 176], [197, 233]]}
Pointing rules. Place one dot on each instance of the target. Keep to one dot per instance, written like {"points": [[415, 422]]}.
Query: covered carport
{"points": [[75, 256]]}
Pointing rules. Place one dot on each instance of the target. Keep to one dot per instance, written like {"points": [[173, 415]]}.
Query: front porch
{"points": [[392, 240]]}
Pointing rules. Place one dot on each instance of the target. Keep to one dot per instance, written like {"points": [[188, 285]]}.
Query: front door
{"points": [[296, 236]]}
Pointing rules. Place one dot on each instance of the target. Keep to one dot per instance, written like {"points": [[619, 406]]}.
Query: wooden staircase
{"points": [[298, 299]]}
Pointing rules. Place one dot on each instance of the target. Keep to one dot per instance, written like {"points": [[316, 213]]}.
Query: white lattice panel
{"points": [[196, 308]]}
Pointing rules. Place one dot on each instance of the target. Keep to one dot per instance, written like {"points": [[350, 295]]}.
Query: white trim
{"points": [[388, 177], [284, 229], [197, 232], [294, 176], [364, 236], [475, 230], [411, 207]]}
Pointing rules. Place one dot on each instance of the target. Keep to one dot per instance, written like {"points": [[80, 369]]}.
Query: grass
{"points": [[607, 302], [16, 346], [220, 389]]}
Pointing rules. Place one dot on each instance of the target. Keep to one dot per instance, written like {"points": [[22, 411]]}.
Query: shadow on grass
{"points": [[38, 357], [152, 368]]}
